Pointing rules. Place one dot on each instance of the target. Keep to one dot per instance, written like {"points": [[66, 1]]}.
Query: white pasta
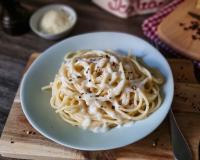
{"points": [[99, 90]]}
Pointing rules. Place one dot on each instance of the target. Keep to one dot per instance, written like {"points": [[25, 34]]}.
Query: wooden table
{"points": [[14, 51]]}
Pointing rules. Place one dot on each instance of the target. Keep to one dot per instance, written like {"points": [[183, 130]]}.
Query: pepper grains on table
{"points": [[194, 25]]}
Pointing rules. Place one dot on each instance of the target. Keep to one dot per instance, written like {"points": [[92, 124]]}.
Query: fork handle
{"points": [[180, 146]]}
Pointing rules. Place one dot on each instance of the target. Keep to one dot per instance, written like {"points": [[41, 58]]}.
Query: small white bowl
{"points": [[36, 18]]}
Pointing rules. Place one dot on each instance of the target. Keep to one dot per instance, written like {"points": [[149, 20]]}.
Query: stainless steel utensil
{"points": [[180, 146]]}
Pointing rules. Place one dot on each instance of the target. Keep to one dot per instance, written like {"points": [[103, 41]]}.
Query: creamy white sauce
{"points": [[98, 116], [128, 124], [62, 78], [102, 129], [86, 122], [111, 113], [92, 109]]}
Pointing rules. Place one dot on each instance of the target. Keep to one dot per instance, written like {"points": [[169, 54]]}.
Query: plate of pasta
{"points": [[97, 91]]}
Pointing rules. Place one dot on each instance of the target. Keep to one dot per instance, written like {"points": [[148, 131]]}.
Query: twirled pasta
{"points": [[100, 90]]}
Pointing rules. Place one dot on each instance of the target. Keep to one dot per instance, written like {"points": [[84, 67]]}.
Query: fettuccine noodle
{"points": [[99, 90]]}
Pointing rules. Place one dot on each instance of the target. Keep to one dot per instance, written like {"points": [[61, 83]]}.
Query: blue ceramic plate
{"points": [[36, 107]]}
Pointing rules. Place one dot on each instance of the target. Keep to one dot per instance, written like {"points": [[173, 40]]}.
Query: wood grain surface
{"points": [[175, 35], [15, 142]]}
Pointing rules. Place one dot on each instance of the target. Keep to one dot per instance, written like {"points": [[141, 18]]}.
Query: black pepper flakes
{"points": [[12, 141], [193, 22], [193, 26], [194, 37], [181, 24]]}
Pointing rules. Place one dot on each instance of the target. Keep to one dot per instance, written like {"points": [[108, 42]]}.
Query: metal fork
{"points": [[180, 146]]}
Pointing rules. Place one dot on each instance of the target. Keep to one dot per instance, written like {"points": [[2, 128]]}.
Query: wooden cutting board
{"points": [[171, 32], [20, 140]]}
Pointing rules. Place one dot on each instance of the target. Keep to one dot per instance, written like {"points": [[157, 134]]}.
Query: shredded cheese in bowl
{"points": [[55, 21]]}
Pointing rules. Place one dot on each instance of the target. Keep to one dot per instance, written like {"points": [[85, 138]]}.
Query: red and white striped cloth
{"points": [[151, 24]]}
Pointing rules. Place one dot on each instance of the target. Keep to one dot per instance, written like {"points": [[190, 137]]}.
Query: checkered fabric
{"points": [[150, 25]]}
